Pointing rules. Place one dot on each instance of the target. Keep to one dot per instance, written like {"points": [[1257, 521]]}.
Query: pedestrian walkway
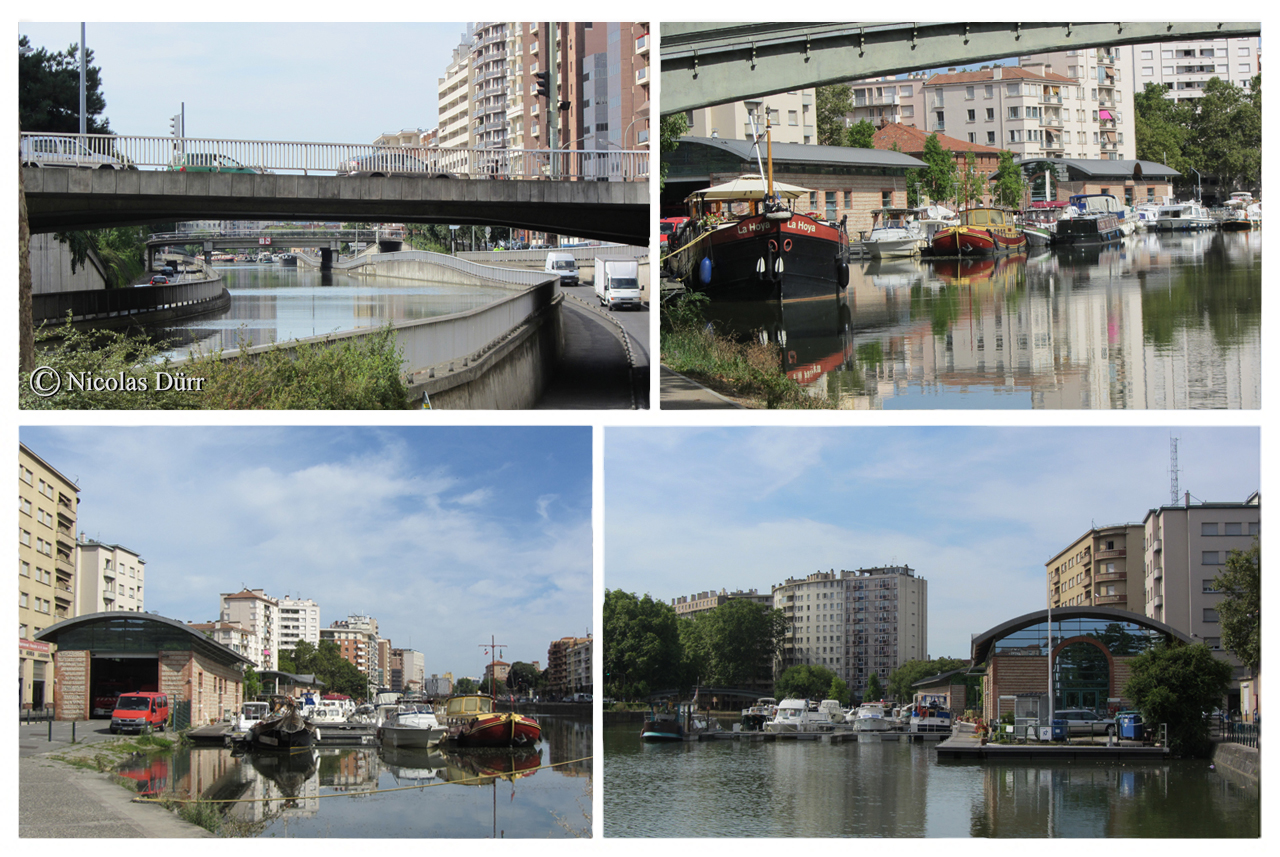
{"points": [[594, 372], [684, 394]]}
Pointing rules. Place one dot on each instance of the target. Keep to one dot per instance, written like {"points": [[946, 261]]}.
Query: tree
{"points": [[874, 691], [1011, 187], [839, 691], [673, 127], [1225, 135], [304, 658], [804, 681], [523, 677], [252, 683], [970, 181], [1160, 128], [739, 641], [862, 136], [49, 91], [901, 679], [833, 103], [464, 686], [1240, 610], [642, 650], [1179, 685], [938, 179]]}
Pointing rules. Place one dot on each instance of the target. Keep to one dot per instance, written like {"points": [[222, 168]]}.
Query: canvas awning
{"points": [[1104, 114], [751, 187]]}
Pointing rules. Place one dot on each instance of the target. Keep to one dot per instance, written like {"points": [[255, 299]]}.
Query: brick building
{"points": [[117, 652], [842, 182], [560, 663]]}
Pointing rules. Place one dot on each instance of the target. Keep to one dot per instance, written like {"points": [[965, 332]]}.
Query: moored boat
{"points": [[411, 725], [894, 232], [286, 730], [472, 722], [683, 724], [1182, 216], [929, 716], [796, 715], [755, 716], [981, 232], [1092, 218], [871, 717]]}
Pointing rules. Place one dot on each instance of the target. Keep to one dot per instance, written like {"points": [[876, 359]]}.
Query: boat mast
{"points": [[493, 660], [768, 142]]}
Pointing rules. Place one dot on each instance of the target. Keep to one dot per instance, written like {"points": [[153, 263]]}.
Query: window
{"points": [[1209, 558], [1255, 528], [968, 93], [1013, 112], [24, 505], [848, 199], [1146, 55], [813, 202], [1245, 68], [1235, 529], [991, 138], [24, 474], [1148, 71], [24, 568], [1011, 89], [886, 199], [24, 537], [990, 91], [972, 115], [1214, 643], [991, 114], [1210, 615], [973, 137], [1242, 52], [22, 599], [793, 118], [831, 204], [1208, 586]]}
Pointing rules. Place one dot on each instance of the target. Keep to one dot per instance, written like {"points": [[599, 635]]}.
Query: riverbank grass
{"points": [[750, 371]]}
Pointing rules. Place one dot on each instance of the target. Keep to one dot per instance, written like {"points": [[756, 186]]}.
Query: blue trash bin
{"points": [[1131, 727], [1059, 730]]}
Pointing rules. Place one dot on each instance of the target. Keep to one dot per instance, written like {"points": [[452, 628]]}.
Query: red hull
{"points": [[974, 241], [500, 730]]}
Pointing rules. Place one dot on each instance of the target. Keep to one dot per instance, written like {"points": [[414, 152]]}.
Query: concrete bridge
{"points": [[704, 64], [329, 241], [64, 199]]}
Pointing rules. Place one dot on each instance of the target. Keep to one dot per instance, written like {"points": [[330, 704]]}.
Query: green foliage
{"points": [[839, 691], [201, 814], [524, 677], [642, 651], [685, 312], [861, 135], [1160, 127], [938, 180], [734, 644], [874, 689], [1225, 135], [970, 184], [672, 129], [1011, 187], [751, 370], [1240, 610], [915, 183], [833, 103], [901, 679], [433, 237], [464, 686], [1179, 685], [804, 681], [252, 683], [49, 91]]}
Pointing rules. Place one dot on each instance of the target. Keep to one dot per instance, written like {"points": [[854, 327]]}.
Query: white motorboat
{"points": [[795, 715], [251, 713], [871, 717], [330, 711], [834, 712], [1182, 216], [755, 716], [1145, 216], [929, 716], [895, 232], [411, 725]]}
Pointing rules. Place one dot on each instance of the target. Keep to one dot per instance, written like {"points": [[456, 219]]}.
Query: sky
{"points": [[975, 511], [446, 536], [295, 82]]}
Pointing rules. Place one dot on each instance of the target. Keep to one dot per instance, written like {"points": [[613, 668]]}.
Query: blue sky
{"points": [[976, 511], [444, 535], [298, 82]]}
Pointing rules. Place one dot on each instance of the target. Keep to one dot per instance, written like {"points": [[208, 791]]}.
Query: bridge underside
{"points": [[66, 199], [708, 64]]}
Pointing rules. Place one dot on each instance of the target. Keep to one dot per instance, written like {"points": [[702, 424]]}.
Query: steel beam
{"points": [[708, 64]]}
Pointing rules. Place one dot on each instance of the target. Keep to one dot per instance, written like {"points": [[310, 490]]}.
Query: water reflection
{"points": [[1161, 320], [274, 304], [289, 794]]}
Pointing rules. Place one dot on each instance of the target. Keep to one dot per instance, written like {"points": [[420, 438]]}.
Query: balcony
{"points": [[1157, 545], [642, 75], [1052, 145], [642, 45], [1115, 575]]}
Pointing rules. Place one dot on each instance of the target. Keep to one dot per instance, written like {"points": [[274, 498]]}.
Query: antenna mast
{"points": [[1173, 471]]}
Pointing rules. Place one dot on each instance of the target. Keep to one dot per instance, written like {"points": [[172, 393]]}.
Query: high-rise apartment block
{"points": [[406, 670], [299, 620], [1184, 67], [357, 640], [1102, 568], [47, 578], [855, 623], [564, 663], [792, 117], [111, 577], [259, 614], [1185, 548]]}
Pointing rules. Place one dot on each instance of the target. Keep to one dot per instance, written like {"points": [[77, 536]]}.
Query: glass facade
{"points": [[1122, 639]]}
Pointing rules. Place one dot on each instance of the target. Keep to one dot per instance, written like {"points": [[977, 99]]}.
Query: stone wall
{"points": [[1238, 759]]}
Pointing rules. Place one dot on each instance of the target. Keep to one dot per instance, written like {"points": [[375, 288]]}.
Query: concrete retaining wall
{"points": [[51, 268], [1238, 760]]}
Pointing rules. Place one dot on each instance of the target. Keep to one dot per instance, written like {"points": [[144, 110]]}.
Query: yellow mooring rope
{"points": [[355, 793]]}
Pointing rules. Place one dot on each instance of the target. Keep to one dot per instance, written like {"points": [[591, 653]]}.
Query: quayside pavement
{"points": [[59, 801]]}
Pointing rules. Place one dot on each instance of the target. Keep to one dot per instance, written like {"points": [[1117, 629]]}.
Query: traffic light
{"points": [[543, 79], [175, 125]]}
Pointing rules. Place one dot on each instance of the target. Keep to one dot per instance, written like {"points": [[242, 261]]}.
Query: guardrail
{"points": [[491, 273], [266, 156], [108, 303]]}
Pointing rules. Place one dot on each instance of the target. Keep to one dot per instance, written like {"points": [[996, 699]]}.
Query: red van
{"points": [[140, 710]]}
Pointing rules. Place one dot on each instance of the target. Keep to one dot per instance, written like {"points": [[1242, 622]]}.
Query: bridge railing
{"points": [[55, 307], [268, 156]]}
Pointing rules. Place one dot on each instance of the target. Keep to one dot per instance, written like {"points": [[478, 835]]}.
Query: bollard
{"points": [[73, 732], [50, 730]]}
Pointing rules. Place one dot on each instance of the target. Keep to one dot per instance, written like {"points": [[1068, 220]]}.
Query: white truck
{"points": [[617, 282], [563, 264]]}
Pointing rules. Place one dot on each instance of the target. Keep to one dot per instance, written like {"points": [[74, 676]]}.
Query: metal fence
{"points": [[90, 304], [269, 156], [27, 714], [1248, 734]]}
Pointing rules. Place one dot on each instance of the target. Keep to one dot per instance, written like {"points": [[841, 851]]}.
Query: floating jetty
{"points": [[965, 745], [842, 736], [327, 734]]}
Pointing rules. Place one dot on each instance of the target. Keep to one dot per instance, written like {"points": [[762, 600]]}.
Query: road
{"points": [[606, 359]]}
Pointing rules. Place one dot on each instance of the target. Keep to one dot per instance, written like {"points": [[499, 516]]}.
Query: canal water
{"points": [[366, 792], [811, 789], [270, 303], [1160, 320]]}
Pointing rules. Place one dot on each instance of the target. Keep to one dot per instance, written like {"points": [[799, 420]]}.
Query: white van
{"points": [[564, 265], [617, 282]]}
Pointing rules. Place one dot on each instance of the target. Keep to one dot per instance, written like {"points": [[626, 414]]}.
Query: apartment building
{"points": [[47, 578], [299, 620], [1104, 78], [406, 670], [1184, 67], [357, 640], [453, 105], [1096, 570], [559, 663], [792, 118], [702, 602], [489, 85], [258, 613], [438, 686], [1184, 548], [111, 577], [855, 623], [580, 675], [233, 635], [1032, 111], [892, 100]]}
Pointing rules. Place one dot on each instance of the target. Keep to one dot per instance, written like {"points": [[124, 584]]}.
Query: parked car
{"points": [[1081, 721], [159, 280], [63, 152], [209, 162], [141, 710], [668, 226], [391, 162]]}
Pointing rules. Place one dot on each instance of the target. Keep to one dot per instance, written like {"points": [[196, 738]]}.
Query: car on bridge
{"points": [[159, 280], [210, 162], [64, 152], [391, 162]]}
